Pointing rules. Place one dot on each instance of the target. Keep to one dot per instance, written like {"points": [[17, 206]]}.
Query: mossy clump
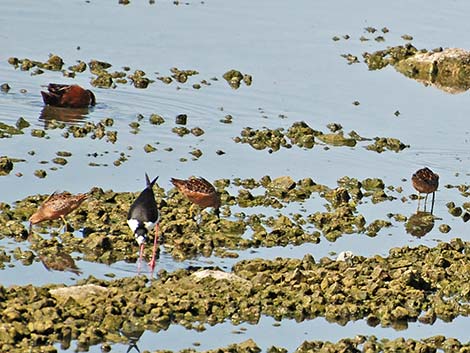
{"points": [[148, 148], [393, 55], [302, 135], [6, 165], [40, 173], [262, 139], [5, 87], [181, 76], [7, 131], [139, 80], [156, 119], [53, 63], [382, 144], [22, 123], [235, 77], [181, 131]]}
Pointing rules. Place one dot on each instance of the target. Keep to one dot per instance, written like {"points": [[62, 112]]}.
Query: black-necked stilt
{"points": [[143, 217]]}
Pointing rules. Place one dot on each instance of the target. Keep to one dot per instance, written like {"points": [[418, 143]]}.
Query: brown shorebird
{"points": [[70, 96], [56, 206], [200, 192], [142, 218], [425, 181]]}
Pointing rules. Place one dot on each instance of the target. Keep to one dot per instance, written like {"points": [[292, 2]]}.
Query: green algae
{"points": [[97, 65], [228, 119], [148, 148], [180, 131], [6, 165], [235, 77], [262, 139], [351, 59], [386, 143], [54, 63], [103, 77], [22, 123], [197, 153], [139, 80], [60, 161], [359, 343], [392, 290], [7, 131], [5, 87], [337, 140], [81, 66], [412, 281], [303, 136], [181, 119], [391, 56], [38, 133], [40, 173], [182, 75], [444, 228], [189, 234], [445, 69], [156, 119], [197, 131]]}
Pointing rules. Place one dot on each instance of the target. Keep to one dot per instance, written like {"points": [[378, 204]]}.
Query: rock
{"points": [[78, 293]]}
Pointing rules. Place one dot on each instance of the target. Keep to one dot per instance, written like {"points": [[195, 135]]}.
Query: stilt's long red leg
{"points": [[141, 252], [154, 251]]}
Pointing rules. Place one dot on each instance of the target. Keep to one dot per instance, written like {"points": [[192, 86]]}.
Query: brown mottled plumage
{"points": [[199, 191], [57, 206], [70, 96], [425, 181]]}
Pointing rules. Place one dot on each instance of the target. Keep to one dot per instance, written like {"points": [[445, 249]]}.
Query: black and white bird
{"points": [[143, 218]]}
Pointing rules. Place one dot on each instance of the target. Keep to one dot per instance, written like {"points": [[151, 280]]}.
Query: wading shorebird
{"points": [[142, 218], [425, 181], [56, 206], [69, 96], [200, 192]]}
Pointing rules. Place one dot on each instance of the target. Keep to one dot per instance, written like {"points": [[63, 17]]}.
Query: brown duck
{"points": [[70, 96]]}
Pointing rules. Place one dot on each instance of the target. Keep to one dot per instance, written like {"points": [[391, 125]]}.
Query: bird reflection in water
{"points": [[420, 224], [132, 331], [72, 116], [59, 261]]}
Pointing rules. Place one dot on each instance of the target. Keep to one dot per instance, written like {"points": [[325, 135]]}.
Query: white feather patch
{"points": [[133, 224], [140, 240], [149, 226]]}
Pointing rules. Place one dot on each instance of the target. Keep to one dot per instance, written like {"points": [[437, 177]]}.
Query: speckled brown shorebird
{"points": [[425, 181], [69, 96], [200, 192], [56, 206]]}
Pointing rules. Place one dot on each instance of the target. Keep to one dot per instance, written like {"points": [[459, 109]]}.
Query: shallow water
{"points": [[298, 74]]}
